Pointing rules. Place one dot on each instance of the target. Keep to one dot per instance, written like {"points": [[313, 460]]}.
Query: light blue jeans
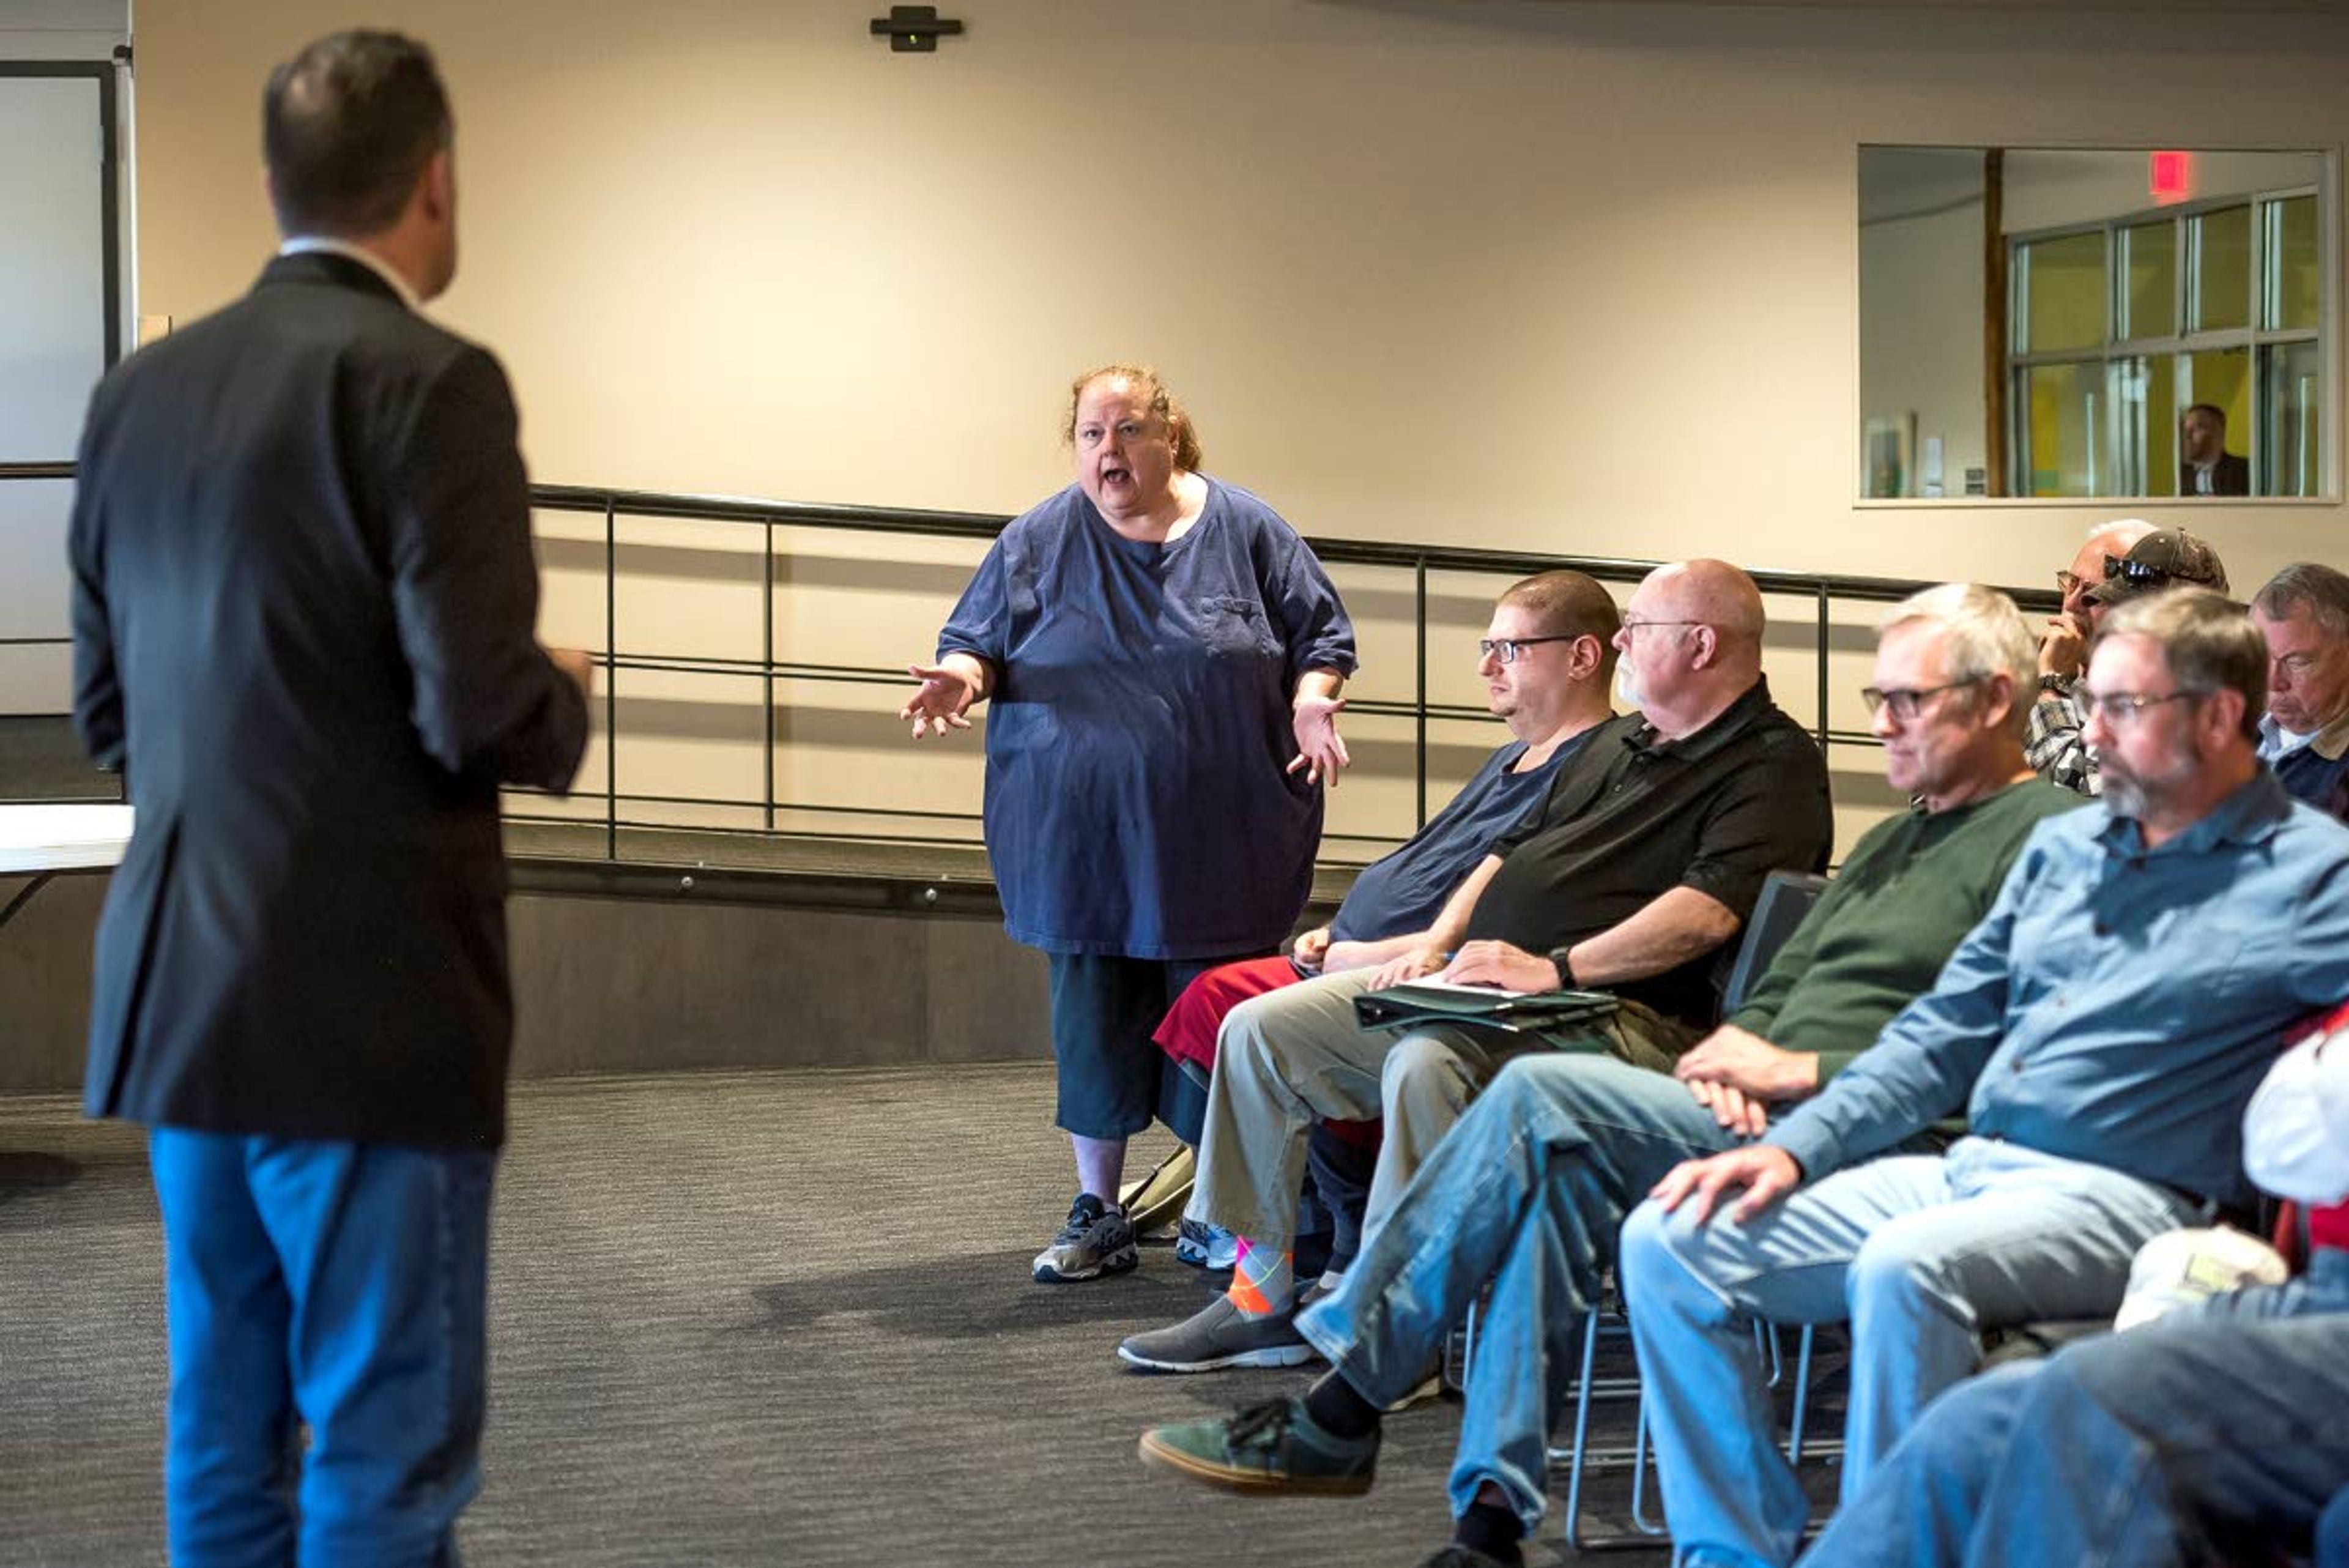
{"points": [[1921, 1253], [343, 1284], [2198, 1437], [1526, 1191]]}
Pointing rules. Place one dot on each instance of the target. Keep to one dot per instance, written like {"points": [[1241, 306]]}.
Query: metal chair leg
{"points": [[1802, 1395], [1581, 1431], [1640, 1520], [1459, 1375]]}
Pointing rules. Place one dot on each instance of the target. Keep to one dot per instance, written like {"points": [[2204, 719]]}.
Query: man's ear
{"points": [[1996, 700], [2224, 713], [1708, 647], [437, 189], [1589, 652]]}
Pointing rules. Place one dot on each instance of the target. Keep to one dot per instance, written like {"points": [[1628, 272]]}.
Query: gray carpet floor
{"points": [[738, 1319]]}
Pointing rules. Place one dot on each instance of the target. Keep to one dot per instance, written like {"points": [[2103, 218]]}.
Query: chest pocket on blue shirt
{"points": [[2224, 963], [1236, 625]]}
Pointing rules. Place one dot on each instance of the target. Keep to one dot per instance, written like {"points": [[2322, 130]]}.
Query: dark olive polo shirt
{"points": [[1634, 815]]}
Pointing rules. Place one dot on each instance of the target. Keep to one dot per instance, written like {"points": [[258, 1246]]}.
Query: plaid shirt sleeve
{"points": [[2052, 744]]}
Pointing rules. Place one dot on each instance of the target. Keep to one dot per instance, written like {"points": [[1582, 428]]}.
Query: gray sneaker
{"points": [[1220, 1334], [1095, 1242]]}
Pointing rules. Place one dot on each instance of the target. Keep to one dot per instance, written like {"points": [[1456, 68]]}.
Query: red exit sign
{"points": [[2170, 176]]}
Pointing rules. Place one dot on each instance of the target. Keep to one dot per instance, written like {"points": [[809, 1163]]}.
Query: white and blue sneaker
{"points": [[1206, 1246]]}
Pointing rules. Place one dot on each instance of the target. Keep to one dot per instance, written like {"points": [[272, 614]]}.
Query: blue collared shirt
{"points": [[2313, 768], [2116, 1006]]}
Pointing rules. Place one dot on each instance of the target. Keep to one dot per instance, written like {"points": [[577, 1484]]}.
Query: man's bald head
{"points": [[2118, 538], [1693, 636], [1722, 596]]}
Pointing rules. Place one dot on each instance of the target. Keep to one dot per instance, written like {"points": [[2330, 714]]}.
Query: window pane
{"points": [[2151, 260], [2224, 381], [2144, 414], [52, 347], [2222, 269], [2066, 414], [2291, 398], [2064, 293], [2293, 281]]}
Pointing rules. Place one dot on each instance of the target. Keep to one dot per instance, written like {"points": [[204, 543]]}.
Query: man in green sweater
{"points": [[1528, 1192]]}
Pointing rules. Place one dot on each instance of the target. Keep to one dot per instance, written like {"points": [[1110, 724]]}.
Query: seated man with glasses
{"points": [[1528, 1190], [2121, 562], [1646, 859], [1546, 661], [2102, 1029]]}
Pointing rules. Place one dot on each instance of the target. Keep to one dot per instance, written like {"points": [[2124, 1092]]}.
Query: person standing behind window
{"points": [[2205, 465]]}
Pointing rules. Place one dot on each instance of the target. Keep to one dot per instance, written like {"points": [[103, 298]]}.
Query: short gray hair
{"points": [[2206, 640], [2304, 586], [1984, 632]]}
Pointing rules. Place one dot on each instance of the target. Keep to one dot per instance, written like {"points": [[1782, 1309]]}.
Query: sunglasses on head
{"points": [[2119, 568]]}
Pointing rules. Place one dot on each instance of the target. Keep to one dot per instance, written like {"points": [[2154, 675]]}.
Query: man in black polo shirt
{"points": [[1647, 858]]}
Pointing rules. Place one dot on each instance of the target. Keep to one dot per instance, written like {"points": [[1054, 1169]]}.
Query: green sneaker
{"points": [[1275, 1446]]}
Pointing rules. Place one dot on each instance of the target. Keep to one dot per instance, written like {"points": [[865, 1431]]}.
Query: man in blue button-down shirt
{"points": [[2103, 1029]]}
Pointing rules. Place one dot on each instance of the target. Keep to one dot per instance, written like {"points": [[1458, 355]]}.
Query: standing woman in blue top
{"points": [[1164, 656]]}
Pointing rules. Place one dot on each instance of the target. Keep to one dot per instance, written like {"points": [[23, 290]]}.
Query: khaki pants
{"points": [[1287, 1060]]}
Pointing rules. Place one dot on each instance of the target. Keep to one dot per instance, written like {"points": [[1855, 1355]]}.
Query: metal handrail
{"points": [[1823, 589]]}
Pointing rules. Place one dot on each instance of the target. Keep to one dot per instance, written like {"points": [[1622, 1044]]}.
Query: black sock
{"points": [[1338, 1410], [1492, 1530]]}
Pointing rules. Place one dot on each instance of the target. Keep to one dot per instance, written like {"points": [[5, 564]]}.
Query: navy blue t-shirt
{"points": [[1405, 890], [1139, 727]]}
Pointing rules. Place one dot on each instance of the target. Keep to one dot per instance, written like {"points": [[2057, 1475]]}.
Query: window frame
{"points": [[2254, 339]]}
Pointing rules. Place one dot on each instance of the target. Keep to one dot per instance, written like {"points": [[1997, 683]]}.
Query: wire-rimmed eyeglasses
{"points": [[1631, 628], [2121, 709]]}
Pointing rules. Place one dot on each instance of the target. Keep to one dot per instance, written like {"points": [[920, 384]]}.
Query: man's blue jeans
{"points": [[2195, 1438], [342, 1285], [1919, 1254], [1526, 1191]]}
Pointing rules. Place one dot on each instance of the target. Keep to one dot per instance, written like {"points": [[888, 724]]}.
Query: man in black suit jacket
{"points": [[303, 601], [2205, 466]]}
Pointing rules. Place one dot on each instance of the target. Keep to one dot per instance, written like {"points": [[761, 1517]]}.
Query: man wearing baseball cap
{"points": [[2164, 558]]}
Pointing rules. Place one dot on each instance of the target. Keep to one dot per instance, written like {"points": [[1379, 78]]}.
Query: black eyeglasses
{"points": [[1504, 648], [2121, 709], [1906, 703]]}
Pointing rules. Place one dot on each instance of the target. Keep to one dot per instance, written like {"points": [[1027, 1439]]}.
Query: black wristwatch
{"points": [[1564, 968], [2059, 684]]}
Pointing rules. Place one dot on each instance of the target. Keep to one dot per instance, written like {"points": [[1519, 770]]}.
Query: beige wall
{"points": [[1530, 275], [741, 247]]}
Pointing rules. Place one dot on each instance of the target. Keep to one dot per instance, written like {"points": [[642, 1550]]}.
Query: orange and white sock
{"points": [[1264, 1280]]}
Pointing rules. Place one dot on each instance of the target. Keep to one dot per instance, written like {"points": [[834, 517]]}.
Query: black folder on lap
{"points": [[1401, 1006]]}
